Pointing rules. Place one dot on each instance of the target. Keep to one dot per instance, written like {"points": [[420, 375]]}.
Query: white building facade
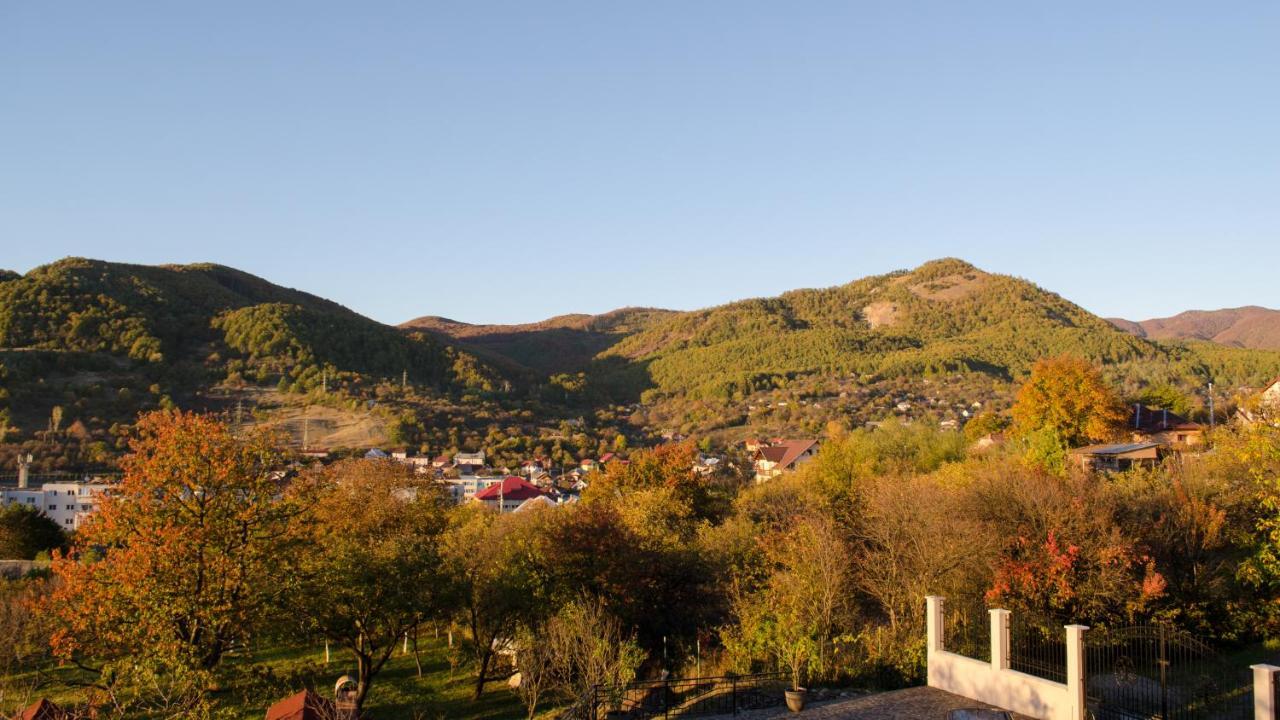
{"points": [[68, 503]]}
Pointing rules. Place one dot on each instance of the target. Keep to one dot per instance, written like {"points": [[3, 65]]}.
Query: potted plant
{"points": [[795, 654], [793, 637]]}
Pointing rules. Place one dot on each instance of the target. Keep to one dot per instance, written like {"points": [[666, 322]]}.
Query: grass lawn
{"points": [[275, 672]]}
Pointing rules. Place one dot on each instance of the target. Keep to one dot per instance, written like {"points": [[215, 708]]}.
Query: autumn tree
{"points": [[914, 540], [183, 556], [370, 565], [803, 601], [1067, 399], [666, 466], [637, 548], [1063, 557], [25, 629]]}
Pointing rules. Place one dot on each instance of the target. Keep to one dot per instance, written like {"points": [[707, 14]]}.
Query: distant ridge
{"points": [[564, 343], [1246, 327]]}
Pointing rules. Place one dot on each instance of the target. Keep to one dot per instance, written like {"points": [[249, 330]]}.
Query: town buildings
{"points": [[67, 502]]}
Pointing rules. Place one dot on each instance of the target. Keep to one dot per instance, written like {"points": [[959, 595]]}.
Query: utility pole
{"points": [[324, 382], [1211, 418], [404, 379]]}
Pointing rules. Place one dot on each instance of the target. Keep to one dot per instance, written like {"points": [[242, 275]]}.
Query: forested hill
{"points": [[212, 315], [1247, 327], [945, 316], [105, 339]]}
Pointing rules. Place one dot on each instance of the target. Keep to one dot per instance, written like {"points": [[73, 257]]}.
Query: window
{"points": [[53, 507], [71, 507], [67, 521]]}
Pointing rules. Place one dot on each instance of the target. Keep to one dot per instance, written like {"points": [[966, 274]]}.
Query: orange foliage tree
{"points": [[184, 556]]}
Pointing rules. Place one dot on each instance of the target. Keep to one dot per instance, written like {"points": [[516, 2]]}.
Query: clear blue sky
{"points": [[507, 161]]}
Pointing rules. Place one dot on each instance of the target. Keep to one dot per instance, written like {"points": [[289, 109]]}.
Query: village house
{"points": [[1118, 457], [706, 465], [469, 464], [990, 440], [1165, 427], [533, 503], [307, 705], [508, 494], [462, 489], [782, 456], [1270, 397], [43, 709], [421, 464]]}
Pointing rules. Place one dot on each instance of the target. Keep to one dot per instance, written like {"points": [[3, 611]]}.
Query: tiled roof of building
{"points": [[305, 705], [785, 453], [1115, 449], [1145, 419], [511, 488], [42, 709]]}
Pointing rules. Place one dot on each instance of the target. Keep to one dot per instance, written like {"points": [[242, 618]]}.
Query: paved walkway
{"points": [[921, 703]]}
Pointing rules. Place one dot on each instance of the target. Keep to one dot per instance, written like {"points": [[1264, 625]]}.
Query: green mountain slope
{"points": [[93, 343], [945, 316], [211, 315]]}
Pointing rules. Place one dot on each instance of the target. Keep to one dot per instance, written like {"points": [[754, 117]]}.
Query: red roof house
{"points": [[305, 705], [510, 492]]}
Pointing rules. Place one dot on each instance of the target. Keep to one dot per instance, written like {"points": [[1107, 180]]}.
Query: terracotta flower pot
{"points": [[796, 699]]}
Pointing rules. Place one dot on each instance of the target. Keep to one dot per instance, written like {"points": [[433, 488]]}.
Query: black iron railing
{"points": [[1159, 672], [1037, 648], [682, 697], [966, 629]]}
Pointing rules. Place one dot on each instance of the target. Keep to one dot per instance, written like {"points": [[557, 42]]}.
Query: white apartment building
{"points": [[66, 502]]}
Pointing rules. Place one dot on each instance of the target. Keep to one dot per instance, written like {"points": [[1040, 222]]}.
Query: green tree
{"points": [[499, 577], [370, 565], [26, 532], [803, 601]]}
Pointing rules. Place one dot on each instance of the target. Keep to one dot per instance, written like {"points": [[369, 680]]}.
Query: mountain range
{"points": [[102, 340], [1246, 327], [946, 316]]}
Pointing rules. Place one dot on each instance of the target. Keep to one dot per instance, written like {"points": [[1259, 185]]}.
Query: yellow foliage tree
{"points": [[1067, 398]]}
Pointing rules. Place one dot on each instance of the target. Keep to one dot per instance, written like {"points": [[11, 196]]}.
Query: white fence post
{"points": [[935, 632], [1264, 691], [999, 639], [1076, 670], [934, 639]]}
